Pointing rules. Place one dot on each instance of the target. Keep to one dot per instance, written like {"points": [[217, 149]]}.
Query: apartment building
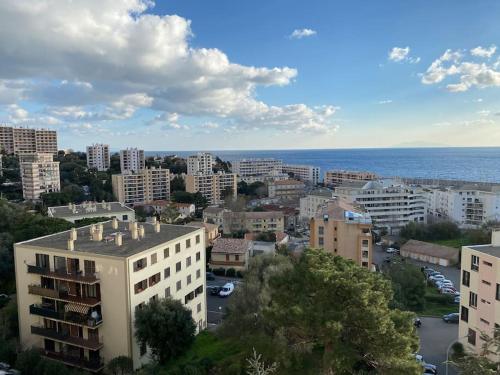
{"points": [[267, 221], [339, 177], [39, 174], [257, 167], [27, 141], [78, 291], [132, 160], [213, 186], [307, 173], [286, 189], [391, 205], [98, 157], [202, 163], [214, 214], [468, 205], [87, 210], [480, 294], [312, 201], [142, 186], [341, 229]]}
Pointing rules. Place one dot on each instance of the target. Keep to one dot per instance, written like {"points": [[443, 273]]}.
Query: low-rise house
{"points": [[430, 253], [230, 253], [87, 210], [159, 206], [211, 231], [262, 248], [290, 213], [214, 215], [281, 237], [265, 221]]}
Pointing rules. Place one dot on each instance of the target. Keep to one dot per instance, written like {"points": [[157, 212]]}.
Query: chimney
{"points": [[142, 232], [73, 234], [157, 227], [114, 223], [97, 235], [131, 225], [92, 229], [118, 239], [71, 245], [109, 206], [103, 204], [100, 227], [134, 231]]}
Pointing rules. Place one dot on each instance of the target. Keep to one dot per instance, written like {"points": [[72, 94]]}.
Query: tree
{"points": [[167, 327], [27, 362], [408, 284], [9, 324], [257, 367], [169, 214], [177, 184], [121, 365]]}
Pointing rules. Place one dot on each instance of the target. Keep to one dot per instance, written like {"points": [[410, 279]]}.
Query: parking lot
{"points": [[216, 305]]}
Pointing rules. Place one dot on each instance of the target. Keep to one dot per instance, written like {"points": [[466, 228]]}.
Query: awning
{"points": [[81, 309]]}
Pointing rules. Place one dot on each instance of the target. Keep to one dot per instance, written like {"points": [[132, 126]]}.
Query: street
{"points": [[216, 305]]}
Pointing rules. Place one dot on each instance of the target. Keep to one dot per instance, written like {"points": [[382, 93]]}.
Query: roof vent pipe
{"points": [[114, 223], [73, 234], [157, 227], [118, 239], [142, 232], [71, 245]]}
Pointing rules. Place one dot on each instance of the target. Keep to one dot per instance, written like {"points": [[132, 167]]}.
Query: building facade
{"points": [[230, 253], [214, 215], [98, 157], [87, 210], [39, 174], [342, 230], [78, 291], [307, 173], [311, 202], [20, 141], [212, 186], [339, 177], [143, 186], [132, 160], [286, 189], [202, 163], [480, 294], [266, 221], [257, 167]]}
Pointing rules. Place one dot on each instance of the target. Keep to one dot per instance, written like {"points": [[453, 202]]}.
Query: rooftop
{"points": [[321, 192], [288, 182], [230, 246], [88, 208], [341, 210], [199, 224], [213, 210], [107, 247], [427, 248], [487, 249]]}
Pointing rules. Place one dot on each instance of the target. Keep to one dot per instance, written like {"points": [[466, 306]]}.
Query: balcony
{"points": [[66, 338], [83, 363], [64, 275], [62, 295], [69, 317]]}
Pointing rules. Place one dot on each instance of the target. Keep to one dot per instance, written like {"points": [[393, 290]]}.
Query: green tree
{"points": [[28, 361], [121, 365], [9, 326], [167, 327], [177, 184], [169, 214], [408, 284], [479, 364]]}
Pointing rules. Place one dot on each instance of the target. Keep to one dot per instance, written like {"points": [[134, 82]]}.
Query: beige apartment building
{"points": [[268, 221], [310, 203], [202, 163], [39, 174], [286, 189], [343, 230], [257, 167], [480, 293], [132, 160], [212, 186], [78, 291], [307, 173], [339, 177], [98, 157], [27, 141], [143, 186]]}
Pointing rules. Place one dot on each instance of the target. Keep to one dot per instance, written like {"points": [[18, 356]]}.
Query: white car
{"points": [[226, 290], [449, 291], [379, 243], [436, 278], [390, 250]]}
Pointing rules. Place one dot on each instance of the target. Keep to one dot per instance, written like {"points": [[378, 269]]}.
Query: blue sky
{"points": [[231, 75]]}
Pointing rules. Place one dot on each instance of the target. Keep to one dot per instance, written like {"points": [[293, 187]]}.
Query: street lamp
{"points": [[448, 350]]}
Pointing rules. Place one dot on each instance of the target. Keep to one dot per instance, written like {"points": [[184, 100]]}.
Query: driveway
{"points": [[216, 305]]}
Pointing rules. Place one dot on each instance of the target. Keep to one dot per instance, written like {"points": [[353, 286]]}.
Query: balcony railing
{"points": [[66, 338], [62, 295], [90, 278], [70, 317], [86, 364]]}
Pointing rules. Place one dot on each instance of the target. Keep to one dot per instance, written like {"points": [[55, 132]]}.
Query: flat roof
{"points": [[107, 246], [91, 208], [487, 249]]}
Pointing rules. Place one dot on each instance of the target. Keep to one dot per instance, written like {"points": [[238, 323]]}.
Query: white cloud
{"points": [[210, 125], [399, 54], [484, 112], [302, 33], [484, 52], [102, 60], [387, 101]]}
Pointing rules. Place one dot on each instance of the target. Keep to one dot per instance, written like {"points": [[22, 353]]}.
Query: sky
{"points": [[262, 74]]}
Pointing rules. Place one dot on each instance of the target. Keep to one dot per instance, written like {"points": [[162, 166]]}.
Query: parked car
{"points": [[436, 277], [451, 318], [434, 273], [4, 366], [215, 290], [426, 366], [226, 290], [443, 284], [451, 291], [210, 276], [390, 250], [457, 300], [380, 243], [427, 271]]}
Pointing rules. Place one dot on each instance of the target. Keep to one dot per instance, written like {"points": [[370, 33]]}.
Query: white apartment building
{"points": [[212, 186], [257, 167], [98, 157], [78, 291], [339, 177], [311, 202], [303, 172], [132, 159], [143, 186], [39, 174], [76, 212], [469, 206], [390, 205], [286, 189], [202, 163], [27, 141]]}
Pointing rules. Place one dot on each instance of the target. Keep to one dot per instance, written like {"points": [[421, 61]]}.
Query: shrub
{"points": [[457, 350], [219, 271], [231, 272], [442, 298], [239, 274]]}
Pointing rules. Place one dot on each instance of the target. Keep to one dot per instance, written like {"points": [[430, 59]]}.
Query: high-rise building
{"points": [[340, 177], [202, 163], [143, 186], [257, 167], [132, 160], [307, 173], [341, 229], [78, 291], [27, 141], [480, 294], [39, 174], [98, 157], [213, 186]]}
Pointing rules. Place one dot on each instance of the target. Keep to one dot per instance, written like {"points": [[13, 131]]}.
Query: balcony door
{"points": [[42, 261], [60, 264], [73, 265]]}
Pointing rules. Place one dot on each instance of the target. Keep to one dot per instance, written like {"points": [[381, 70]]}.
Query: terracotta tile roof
{"points": [[230, 246], [427, 248]]}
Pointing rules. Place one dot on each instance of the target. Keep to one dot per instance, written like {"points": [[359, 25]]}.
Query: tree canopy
{"points": [[408, 284]]}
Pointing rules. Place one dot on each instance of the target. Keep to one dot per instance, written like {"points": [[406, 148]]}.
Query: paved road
{"points": [[216, 305]]}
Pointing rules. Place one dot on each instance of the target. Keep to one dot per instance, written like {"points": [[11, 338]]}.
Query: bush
{"points": [[219, 271], [441, 298], [458, 351], [231, 272], [239, 274]]}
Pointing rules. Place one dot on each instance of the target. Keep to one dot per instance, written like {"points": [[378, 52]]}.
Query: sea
{"points": [[480, 164]]}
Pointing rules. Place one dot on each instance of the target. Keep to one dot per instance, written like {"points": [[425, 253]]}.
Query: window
{"points": [[167, 292], [487, 263], [178, 286], [365, 254], [140, 286], [188, 243], [365, 242], [42, 261], [466, 278], [155, 279], [153, 258], [471, 337], [464, 314], [321, 230], [335, 239], [89, 267], [474, 263], [166, 253], [188, 280], [198, 256], [227, 257], [178, 266], [60, 264], [177, 248], [484, 321], [154, 298], [140, 264], [197, 239], [166, 273], [198, 307], [140, 306], [364, 264], [188, 261], [198, 274], [498, 292], [472, 299], [321, 242]]}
